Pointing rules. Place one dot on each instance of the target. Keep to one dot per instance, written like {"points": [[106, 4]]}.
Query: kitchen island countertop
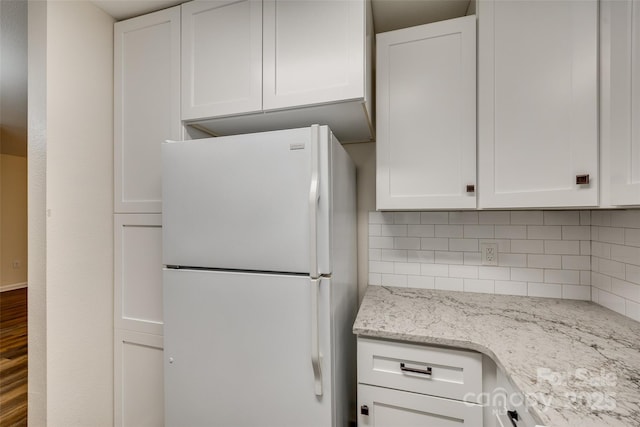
{"points": [[577, 363]]}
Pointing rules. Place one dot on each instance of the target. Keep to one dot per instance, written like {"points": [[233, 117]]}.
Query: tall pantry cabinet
{"points": [[537, 103], [146, 112]]}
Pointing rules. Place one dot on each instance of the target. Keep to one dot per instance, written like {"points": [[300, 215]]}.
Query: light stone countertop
{"points": [[552, 350]]}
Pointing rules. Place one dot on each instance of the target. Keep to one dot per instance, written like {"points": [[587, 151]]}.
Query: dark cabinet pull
{"points": [[471, 188], [582, 179], [426, 371], [364, 410]]}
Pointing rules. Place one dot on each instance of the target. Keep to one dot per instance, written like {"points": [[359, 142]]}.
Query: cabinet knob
{"points": [[364, 410], [582, 179], [471, 188]]}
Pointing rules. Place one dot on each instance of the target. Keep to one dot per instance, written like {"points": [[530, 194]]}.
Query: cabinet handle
{"points": [[582, 179], [471, 188], [427, 371], [364, 410]]}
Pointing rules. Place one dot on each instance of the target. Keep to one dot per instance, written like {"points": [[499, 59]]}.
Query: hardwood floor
{"points": [[13, 358]]}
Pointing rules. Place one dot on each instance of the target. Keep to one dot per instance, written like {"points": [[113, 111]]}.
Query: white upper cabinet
{"points": [[621, 120], [313, 52], [253, 65], [537, 103], [221, 58], [426, 116], [146, 105]]}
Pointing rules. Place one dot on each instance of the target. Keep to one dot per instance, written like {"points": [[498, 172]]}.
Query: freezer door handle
{"points": [[316, 357], [314, 195]]}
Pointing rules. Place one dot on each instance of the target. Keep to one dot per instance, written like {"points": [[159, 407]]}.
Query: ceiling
{"points": [[387, 15]]}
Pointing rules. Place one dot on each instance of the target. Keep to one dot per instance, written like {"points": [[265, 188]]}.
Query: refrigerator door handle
{"points": [[314, 196], [316, 357]]}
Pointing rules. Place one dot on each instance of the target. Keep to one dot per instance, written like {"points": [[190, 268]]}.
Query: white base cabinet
{"points": [[402, 384], [426, 116], [537, 103]]}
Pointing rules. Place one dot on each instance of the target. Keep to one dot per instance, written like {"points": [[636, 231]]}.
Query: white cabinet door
{"points": [[221, 58], [537, 103], [383, 407], [426, 127], [623, 32], [314, 52], [138, 380], [138, 273], [146, 105]]}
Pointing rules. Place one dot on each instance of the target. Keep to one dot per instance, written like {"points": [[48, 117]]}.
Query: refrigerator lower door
{"points": [[238, 350], [245, 201]]}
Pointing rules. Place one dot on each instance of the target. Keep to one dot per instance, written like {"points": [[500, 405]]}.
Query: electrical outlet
{"points": [[489, 253], [15, 264]]}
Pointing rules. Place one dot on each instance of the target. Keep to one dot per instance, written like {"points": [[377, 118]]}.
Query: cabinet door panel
{"points": [[221, 58], [624, 114], [146, 105], [426, 129], [314, 52], [138, 273], [394, 408], [538, 112], [138, 382]]}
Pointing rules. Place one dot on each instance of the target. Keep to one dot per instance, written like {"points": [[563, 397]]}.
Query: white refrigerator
{"points": [[260, 282]]}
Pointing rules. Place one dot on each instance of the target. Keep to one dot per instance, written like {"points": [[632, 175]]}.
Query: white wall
{"points": [[72, 122]]}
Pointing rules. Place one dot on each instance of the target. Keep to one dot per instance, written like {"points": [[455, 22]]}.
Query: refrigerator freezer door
{"points": [[243, 202], [238, 350]]}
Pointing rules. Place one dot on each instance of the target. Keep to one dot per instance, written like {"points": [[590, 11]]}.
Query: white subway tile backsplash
{"points": [[421, 230], [576, 232], [393, 255], [569, 277], [434, 243], [527, 217], [527, 246], [434, 217], [494, 217], [435, 270], [406, 217], [449, 257], [510, 287], [562, 247], [424, 282], [394, 280], [561, 218], [449, 284], [482, 286], [586, 255], [406, 268], [576, 262], [494, 273], [544, 232], [463, 271], [463, 245], [393, 230], [406, 243], [463, 217], [544, 261], [527, 274], [546, 290], [420, 256], [376, 242], [576, 292], [449, 231], [511, 232]]}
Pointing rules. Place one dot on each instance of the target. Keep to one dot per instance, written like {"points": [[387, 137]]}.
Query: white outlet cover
{"points": [[489, 253]]}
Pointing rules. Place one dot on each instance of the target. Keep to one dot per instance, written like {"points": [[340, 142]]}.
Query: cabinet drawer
{"points": [[454, 374], [382, 407]]}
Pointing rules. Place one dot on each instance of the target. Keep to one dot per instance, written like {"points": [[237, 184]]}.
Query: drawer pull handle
{"points": [[427, 371]]}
